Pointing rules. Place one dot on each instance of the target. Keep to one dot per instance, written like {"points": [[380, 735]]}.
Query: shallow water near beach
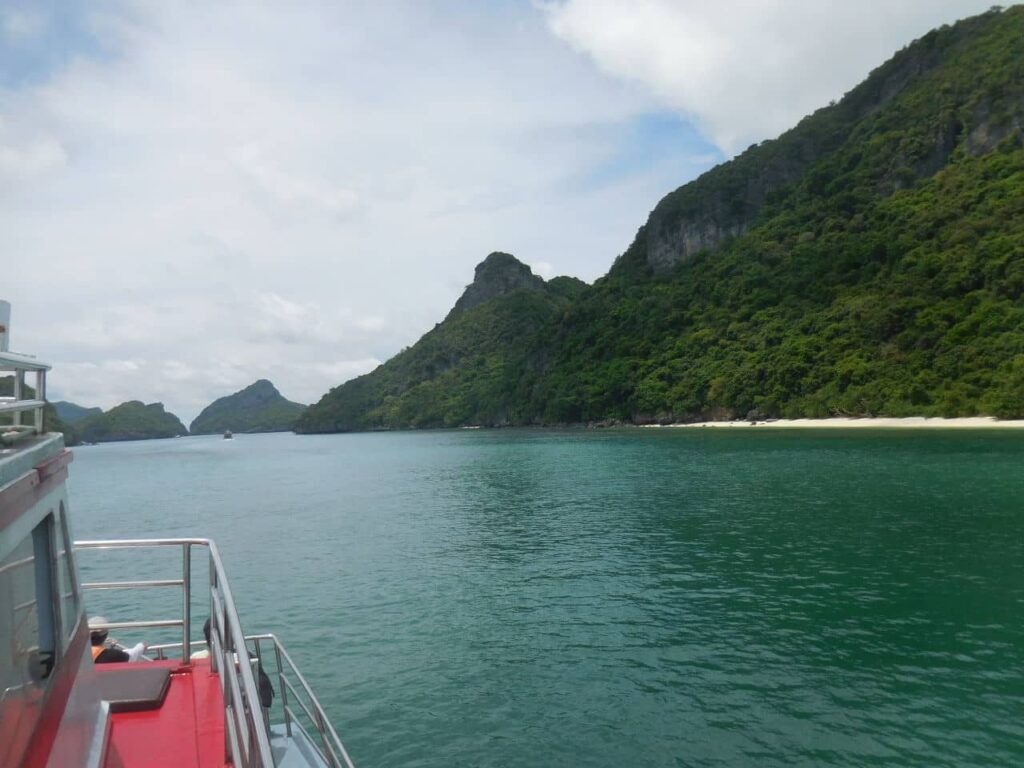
{"points": [[612, 598]]}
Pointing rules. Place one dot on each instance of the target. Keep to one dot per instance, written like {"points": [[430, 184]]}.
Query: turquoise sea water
{"points": [[616, 598]]}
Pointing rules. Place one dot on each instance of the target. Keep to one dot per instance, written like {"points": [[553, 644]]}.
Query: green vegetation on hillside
{"points": [[467, 370], [911, 306], [133, 420], [257, 408], [868, 262]]}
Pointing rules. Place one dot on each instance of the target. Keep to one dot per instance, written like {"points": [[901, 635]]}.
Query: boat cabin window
{"points": [[28, 637]]}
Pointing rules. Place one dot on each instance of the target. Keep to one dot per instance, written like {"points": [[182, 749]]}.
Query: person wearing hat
{"points": [[103, 654]]}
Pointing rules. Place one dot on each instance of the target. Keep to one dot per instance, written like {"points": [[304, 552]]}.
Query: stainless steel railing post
{"points": [[260, 737], [284, 690], [186, 602], [25, 411], [19, 383], [213, 622], [334, 752], [40, 395]]}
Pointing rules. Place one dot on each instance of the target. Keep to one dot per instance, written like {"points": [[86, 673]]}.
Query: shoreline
{"points": [[839, 422]]}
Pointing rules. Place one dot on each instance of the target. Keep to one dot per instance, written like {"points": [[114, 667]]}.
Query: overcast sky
{"points": [[197, 195]]}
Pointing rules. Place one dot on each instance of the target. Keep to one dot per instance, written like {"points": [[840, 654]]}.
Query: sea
{"points": [[621, 597]]}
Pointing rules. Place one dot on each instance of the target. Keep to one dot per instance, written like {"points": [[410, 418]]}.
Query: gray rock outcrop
{"points": [[498, 274]]}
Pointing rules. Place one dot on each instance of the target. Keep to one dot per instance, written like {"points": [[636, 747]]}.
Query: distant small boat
{"points": [[228, 435]]}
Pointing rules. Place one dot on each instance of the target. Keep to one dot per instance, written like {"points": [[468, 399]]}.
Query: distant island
{"points": [[868, 262], [257, 408], [71, 413], [133, 420]]}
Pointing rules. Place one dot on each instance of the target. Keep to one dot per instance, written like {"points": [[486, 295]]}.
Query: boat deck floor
{"points": [[186, 731]]}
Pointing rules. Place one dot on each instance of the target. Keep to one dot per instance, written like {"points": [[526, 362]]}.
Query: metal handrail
{"points": [[17, 404], [12, 360], [137, 584], [247, 740], [332, 750]]}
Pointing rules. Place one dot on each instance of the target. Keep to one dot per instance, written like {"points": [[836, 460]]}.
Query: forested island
{"points": [[133, 420], [870, 261], [257, 408]]}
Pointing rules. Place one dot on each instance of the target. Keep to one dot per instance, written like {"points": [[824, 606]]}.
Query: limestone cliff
{"points": [[498, 274], [726, 201]]}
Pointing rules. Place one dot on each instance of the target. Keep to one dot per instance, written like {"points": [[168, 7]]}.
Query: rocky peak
{"points": [[257, 408], [260, 390], [498, 274]]}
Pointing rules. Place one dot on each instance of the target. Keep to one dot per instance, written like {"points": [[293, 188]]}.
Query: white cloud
{"points": [[543, 268], [293, 190], [746, 70], [31, 158], [235, 190], [186, 388], [217, 347]]}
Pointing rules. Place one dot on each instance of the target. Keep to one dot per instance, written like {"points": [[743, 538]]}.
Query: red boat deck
{"points": [[186, 730]]}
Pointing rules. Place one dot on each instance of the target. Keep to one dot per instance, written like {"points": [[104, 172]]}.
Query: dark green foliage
{"points": [[467, 370], [868, 262], [567, 287], [52, 422], [257, 408], [913, 308], [133, 420]]}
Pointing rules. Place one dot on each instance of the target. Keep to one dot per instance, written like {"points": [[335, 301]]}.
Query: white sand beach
{"points": [[911, 422]]}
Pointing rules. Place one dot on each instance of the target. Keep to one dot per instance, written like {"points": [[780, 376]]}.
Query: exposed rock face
{"points": [[676, 244], [703, 214], [990, 129], [257, 408], [498, 274], [724, 202]]}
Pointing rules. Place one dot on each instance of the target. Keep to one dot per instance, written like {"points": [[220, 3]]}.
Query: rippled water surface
{"points": [[619, 598]]}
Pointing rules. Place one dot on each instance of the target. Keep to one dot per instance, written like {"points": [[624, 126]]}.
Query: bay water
{"points": [[609, 598]]}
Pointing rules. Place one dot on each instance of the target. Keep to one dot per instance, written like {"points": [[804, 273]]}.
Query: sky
{"points": [[196, 195]]}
